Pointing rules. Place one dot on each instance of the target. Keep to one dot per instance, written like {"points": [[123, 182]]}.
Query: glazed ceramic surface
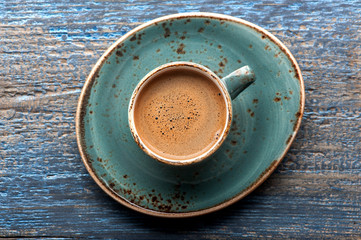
{"points": [[266, 116]]}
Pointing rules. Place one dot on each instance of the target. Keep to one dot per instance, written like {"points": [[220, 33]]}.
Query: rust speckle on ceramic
{"points": [[180, 49], [230, 155], [250, 46], [255, 100], [286, 98], [221, 64], [269, 169], [133, 38], [136, 58], [298, 119], [250, 112], [234, 142], [234, 127], [200, 30], [277, 99], [119, 53], [166, 30], [207, 22], [277, 55], [289, 139]]}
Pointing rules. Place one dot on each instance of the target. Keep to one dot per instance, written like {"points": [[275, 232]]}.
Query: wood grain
{"points": [[47, 48]]}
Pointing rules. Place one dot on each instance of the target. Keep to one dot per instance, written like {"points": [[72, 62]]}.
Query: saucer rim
{"points": [[83, 99]]}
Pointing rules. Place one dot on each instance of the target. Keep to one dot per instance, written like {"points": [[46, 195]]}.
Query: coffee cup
{"points": [[181, 112]]}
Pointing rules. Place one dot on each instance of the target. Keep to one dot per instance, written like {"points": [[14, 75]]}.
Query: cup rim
{"points": [[145, 80]]}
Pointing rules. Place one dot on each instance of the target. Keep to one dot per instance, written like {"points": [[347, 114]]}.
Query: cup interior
{"points": [[145, 86]]}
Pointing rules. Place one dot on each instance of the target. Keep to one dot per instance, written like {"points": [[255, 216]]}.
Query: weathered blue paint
{"points": [[45, 189]]}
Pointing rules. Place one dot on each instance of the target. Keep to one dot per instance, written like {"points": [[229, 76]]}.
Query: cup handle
{"points": [[239, 80]]}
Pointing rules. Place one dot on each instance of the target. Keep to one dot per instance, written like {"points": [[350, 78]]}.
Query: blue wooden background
{"points": [[47, 49]]}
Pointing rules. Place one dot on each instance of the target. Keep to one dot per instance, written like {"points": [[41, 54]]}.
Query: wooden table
{"points": [[47, 49]]}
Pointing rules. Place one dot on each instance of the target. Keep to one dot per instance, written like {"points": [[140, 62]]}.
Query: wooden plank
{"points": [[47, 48]]}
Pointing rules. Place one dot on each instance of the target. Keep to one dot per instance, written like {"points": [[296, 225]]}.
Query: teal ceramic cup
{"points": [[229, 87]]}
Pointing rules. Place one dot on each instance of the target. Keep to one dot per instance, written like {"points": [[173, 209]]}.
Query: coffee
{"points": [[180, 114]]}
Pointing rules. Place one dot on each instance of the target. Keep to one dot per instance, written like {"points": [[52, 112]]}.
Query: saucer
{"points": [[267, 114]]}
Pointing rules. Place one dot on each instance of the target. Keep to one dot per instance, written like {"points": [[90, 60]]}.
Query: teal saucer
{"points": [[267, 114]]}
